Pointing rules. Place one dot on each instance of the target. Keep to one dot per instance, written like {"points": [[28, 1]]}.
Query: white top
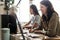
{"points": [[35, 19]]}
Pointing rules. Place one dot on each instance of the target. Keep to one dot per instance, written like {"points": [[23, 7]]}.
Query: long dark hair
{"points": [[35, 11], [50, 9]]}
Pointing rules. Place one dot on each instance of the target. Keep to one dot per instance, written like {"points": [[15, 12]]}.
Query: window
{"points": [[23, 10], [55, 4]]}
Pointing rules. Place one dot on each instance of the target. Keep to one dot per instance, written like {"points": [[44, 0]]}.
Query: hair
{"points": [[13, 8], [35, 11], [50, 9]]}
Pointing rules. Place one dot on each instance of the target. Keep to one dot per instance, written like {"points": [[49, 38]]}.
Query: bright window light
{"points": [[23, 10], [55, 4]]}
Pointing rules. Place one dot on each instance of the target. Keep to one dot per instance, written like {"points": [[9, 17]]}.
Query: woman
{"points": [[49, 20], [12, 21], [35, 20]]}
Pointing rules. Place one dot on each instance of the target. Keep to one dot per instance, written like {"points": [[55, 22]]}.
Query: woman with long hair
{"points": [[49, 20], [35, 20], [12, 20]]}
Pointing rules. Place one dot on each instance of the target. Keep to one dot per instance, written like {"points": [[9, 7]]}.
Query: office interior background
{"points": [[23, 8], [23, 13]]}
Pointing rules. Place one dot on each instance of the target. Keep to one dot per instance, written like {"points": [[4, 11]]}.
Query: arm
{"points": [[36, 22], [27, 23], [35, 25], [52, 25]]}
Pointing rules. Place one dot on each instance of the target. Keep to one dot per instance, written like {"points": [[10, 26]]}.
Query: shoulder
{"points": [[55, 14], [37, 16], [54, 17]]}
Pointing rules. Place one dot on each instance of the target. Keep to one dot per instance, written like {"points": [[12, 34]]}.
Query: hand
{"points": [[31, 30], [29, 27], [25, 25], [38, 31]]}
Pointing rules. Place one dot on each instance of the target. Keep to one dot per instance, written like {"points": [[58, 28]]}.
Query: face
{"points": [[31, 11], [43, 9]]}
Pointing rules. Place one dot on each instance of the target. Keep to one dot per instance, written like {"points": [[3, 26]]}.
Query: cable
{"points": [[18, 3], [21, 29]]}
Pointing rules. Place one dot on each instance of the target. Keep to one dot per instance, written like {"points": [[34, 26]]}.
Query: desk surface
{"points": [[42, 37]]}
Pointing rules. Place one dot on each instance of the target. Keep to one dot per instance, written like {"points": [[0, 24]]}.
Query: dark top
{"points": [[12, 24]]}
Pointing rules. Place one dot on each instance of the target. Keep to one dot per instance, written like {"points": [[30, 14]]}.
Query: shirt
{"points": [[35, 19]]}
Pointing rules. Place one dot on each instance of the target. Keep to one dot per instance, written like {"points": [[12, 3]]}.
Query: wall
{"points": [[1, 12]]}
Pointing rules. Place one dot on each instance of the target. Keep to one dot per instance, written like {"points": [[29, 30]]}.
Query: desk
{"points": [[19, 37], [53, 38], [42, 37]]}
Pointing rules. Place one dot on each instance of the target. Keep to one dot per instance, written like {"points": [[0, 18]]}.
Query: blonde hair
{"points": [[13, 8]]}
